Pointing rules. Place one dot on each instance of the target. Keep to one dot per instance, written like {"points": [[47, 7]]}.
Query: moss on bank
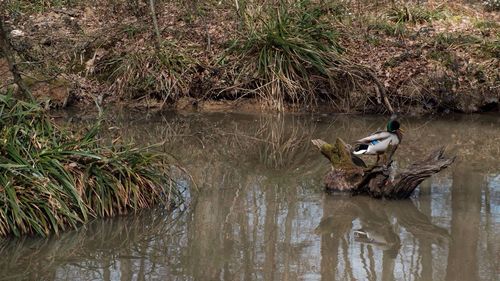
{"points": [[52, 179]]}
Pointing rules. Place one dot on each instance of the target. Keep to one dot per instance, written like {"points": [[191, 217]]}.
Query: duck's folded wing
{"points": [[379, 146], [377, 136]]}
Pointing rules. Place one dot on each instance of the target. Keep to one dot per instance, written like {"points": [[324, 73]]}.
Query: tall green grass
{"points": [[52, 179]]}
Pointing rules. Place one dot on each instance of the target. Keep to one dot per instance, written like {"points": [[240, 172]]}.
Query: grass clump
{"points": [[450, 40], [137, 73], [492, 48], [397, 29], [487, 47], [414, 14], [36, 6], [486, 24], [52, 179], [445, 57], [287, 50]]}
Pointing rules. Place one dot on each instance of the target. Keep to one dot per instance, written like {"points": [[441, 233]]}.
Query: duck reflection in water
{"points": [[353, 226]]}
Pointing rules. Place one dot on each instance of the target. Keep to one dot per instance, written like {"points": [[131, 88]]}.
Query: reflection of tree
{"points": [[247, 233], [377, 230], [466, 216], [290, 216], [425, 245], [491, 202], [205, 236], [270, 234], [333, 228], [418, 224], [242, 233], [214, 213]]}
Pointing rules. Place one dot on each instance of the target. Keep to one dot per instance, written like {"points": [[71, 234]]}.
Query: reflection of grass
{"points": [[208, 144], [276, 142], [284, 142], [225, 150], [272, 141], [131, 236]]}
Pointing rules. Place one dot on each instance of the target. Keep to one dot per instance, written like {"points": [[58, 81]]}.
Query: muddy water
{"points": [[260, 212]]}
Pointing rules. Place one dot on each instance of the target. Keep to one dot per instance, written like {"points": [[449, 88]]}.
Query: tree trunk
{"points": [[152, 8], [380, 181]]}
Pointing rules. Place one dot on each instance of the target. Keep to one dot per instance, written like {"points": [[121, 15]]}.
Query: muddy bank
{"points": [[425, 58]]}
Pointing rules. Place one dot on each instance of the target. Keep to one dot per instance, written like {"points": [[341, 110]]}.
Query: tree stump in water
{"points": [[381, 181]]}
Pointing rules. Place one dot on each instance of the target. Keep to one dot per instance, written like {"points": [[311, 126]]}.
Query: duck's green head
{"points": [[393, 125]]}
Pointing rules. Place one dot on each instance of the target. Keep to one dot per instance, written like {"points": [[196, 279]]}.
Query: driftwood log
{"points": [[380, 181]]}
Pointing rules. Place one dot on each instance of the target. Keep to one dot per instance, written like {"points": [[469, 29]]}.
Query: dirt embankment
{"points": [[432, 57]]}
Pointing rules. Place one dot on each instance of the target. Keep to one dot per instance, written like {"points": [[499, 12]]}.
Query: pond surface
{"points": [[261, 213]]}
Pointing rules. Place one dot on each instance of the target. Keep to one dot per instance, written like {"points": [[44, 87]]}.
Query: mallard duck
{"points": [[379, 142]]}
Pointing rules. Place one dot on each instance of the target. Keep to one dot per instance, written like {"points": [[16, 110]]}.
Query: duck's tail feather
{"points": [[358, 161], [360, 149]]}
